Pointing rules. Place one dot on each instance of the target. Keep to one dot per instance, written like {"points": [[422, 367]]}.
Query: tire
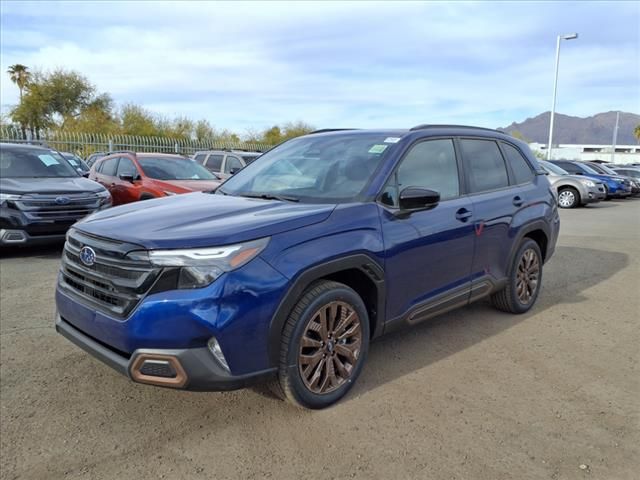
{"points": [[310, 385], [513, 299], [568, 197]]}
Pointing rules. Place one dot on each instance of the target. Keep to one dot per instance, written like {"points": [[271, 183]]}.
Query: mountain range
{"points": [[597, 129]]}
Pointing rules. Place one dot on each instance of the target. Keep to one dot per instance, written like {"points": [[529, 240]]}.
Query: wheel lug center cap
{"points": [[330, 346]]}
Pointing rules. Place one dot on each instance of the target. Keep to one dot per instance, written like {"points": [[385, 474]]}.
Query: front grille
{"points": [[61, 207], [115, 283]]}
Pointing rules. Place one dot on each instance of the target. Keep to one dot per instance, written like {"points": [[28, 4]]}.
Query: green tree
{"points": [[203, 130], [296, 129], [518, 134], [136, 120], [272, 136], [636, 132], [20, 75]]}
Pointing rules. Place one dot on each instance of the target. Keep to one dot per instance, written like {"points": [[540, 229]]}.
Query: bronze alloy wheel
{"points": [[330, 347], [527, 276]]}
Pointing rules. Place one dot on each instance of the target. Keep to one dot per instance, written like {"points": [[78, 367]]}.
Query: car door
{"points": [[106, 175], [428, 253], [495, 202], [127, 191]]}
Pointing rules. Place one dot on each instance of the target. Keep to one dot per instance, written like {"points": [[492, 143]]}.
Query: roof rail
{"points": [[118, 151], [324, 130], [426, 125]]}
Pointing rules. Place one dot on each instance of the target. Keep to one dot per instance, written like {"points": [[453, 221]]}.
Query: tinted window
{"points": [[569, 167], [431, 165], [200, 158], [126, 167], [215, 162], [108, 167], [484, 165], [233, 163], [519, 165], [173, 168]]}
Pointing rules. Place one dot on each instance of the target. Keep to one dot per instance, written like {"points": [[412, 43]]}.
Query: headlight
{"points": [[619, 180], [168, 193], [198, 267], [105, 198], [588, 183], [4, 197]]}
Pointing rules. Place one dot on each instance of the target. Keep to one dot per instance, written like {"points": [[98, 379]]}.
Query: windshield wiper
{"points": [[269, 196]]}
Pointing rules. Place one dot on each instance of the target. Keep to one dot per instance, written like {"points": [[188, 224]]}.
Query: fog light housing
{"points": [[216, 351]]}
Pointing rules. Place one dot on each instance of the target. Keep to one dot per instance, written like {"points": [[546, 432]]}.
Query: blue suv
{"points": [[295, 264]]}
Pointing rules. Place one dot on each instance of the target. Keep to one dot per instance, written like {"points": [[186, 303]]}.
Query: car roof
{"points": [[25, 146], [430, 129]]}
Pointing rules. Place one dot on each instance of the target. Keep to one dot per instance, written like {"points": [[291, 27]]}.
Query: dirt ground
{"points": [[474, 394]]}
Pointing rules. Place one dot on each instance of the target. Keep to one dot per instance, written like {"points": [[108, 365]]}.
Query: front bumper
{"points": [[594, 194], [9, 237], [196, 369]]}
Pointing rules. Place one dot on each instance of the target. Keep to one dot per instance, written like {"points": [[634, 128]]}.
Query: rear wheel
{"points": [[568, 197], [324, 346], [525, 278]]}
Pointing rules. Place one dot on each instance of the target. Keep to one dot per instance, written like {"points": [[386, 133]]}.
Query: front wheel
{"points": [[525, 278], [568, 197], [324, 346]]}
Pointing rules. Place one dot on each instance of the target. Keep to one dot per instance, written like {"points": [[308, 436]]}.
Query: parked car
{"points": [[224, 163], [627, 171], [42, 195], [606, 170], [615, 186], [573, 190], [133, 176], [288, 282], [76, 162], [94, 157]]}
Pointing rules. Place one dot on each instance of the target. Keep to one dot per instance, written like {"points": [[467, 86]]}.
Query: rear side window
{"points": [[200, 158], [484, 165], [109, 166], [214, 162], [126, 167], [519, 165]]}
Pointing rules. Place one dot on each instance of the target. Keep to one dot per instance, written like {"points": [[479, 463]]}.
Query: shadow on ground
{"points": [[50, 251]]}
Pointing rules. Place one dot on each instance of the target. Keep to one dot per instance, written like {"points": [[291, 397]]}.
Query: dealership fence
{"points": [[84, 144]]}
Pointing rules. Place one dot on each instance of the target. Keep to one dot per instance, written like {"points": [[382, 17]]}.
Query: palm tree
{"points": [[20, 75], [636, 132]]}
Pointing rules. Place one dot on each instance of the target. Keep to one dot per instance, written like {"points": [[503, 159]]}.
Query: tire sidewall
{"points": [[519, 306], [302, 394]]}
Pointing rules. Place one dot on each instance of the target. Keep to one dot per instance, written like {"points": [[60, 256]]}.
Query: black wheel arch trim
{"points": [[527, 228], [362, 262]]}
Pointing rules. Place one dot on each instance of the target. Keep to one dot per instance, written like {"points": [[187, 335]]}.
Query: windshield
{"points": [[551, 168], [321, 168], [75, 161], [24, 162], [588, 169], [607, 170], [174, 168]]}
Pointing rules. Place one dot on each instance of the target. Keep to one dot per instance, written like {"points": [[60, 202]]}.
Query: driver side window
{"points": [[430, 164]]}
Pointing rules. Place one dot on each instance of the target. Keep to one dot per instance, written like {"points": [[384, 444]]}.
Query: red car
{"points": [[140, 176]]}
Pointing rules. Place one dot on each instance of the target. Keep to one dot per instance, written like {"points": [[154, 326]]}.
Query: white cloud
{"points": [[362, 64]]}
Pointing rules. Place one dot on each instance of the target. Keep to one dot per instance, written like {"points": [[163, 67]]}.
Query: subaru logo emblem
{"points": [[87, 256], [62, 200]]}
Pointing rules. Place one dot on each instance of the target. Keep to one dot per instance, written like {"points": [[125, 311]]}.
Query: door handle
{"points": [[463, 214], [517, 201]]}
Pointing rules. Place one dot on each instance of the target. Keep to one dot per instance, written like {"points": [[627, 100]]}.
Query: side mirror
{"points": [[127, 178], [415, 198]]}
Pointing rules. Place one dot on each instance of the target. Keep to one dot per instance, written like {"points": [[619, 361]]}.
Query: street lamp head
{"points": [[569, 36]]}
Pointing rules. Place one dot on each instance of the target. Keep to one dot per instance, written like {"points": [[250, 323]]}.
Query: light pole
{"points": [[568, 36]]}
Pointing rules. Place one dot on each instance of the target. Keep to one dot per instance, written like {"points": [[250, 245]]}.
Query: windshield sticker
{"points": [[392, 140], [48, 160], [378, 148]]}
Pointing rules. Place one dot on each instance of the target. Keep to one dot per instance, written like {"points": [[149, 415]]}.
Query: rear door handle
{"points": [[517, 201], [463, 214]]}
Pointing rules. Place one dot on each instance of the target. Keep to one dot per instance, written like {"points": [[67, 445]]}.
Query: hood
{"points": [[21, 186], [191, 185], [201, 220], [602, 177]]}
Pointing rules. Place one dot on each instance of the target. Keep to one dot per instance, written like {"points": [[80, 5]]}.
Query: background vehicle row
{"points": [[224, 163]]}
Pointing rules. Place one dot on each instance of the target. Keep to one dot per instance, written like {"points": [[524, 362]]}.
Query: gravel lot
{"points": [[474, 394]]}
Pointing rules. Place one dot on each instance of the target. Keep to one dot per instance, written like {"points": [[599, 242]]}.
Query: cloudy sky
{"points": [[361, 64]]}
